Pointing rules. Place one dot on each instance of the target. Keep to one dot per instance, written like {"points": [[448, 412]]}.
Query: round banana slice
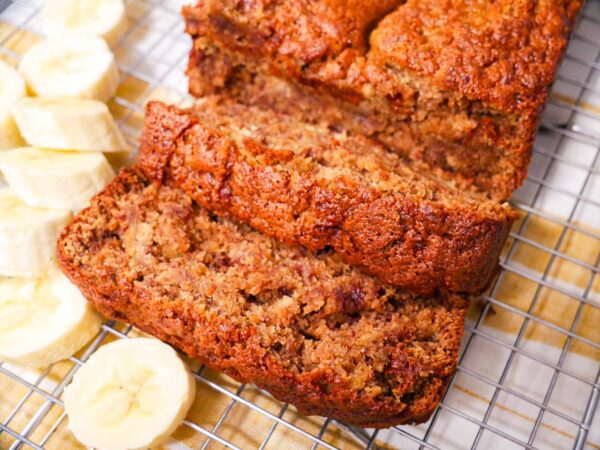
{"points": [[104, 18], [27, 236], [51, 179], [69, 124], [43, 320], [12, 88], [73, 65], [130, 394]]}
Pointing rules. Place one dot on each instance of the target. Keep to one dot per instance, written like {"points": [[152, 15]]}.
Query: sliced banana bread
{"points": [[307, 327], [309, 185], [453, 85]]}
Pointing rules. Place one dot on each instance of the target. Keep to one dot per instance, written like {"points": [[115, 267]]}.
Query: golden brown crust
{"points": [[428, 78], [503, 53], [407, 229], [308, 328]]}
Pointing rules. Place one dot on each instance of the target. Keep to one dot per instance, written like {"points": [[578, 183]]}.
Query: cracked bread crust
{"points": [[502, 53], [489, 65], [311, 186], [306, 327]]}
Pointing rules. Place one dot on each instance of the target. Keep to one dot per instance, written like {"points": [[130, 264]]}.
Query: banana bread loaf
{"points": [[305, 184], [455, 86], [306, 327]]}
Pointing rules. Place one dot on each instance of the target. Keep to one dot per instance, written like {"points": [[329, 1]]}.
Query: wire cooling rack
{"points": [[560, 230]]}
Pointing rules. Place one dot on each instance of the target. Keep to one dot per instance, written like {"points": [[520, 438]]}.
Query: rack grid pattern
{"points": [[152, 56]]}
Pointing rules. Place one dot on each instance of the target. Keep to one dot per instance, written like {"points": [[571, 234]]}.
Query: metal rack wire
{"points": [[152, 55]]}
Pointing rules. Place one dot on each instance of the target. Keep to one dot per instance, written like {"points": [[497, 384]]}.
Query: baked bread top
{"points": [[501, 53], [307, 327]]}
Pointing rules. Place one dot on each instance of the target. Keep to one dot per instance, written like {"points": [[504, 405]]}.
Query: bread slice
{"points": [[453, 85], [307, 327], [308, 185]]}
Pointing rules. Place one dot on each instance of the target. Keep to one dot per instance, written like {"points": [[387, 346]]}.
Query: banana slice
{"points": [[73, 65], [121, 159], [104, 18], [69, 124], [43, 320], [57, 180], [27, 236], [130, 394], [12, 88]]}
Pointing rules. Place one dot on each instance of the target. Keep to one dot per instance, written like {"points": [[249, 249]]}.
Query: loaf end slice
{"points": [[309, 185], [305, 326]]}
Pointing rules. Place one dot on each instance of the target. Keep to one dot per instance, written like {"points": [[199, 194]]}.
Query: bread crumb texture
{"points": [[305, 326]]}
